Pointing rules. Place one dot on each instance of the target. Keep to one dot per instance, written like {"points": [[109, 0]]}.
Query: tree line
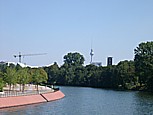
{"points": [[136, 74], [14, 74], [115, 76]]}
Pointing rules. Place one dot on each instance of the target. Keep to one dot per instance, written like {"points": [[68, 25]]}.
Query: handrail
{"points": [[25, 93]]}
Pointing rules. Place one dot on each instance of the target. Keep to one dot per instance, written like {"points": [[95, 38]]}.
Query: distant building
{"points": [[2, 63], [97, 63], [109, 61]]}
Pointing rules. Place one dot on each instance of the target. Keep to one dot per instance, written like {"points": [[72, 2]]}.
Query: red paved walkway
{"points": [[31, 99]]}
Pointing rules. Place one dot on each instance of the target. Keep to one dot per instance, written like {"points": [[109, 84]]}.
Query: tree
{"points": [[18, 67], [23, 77], [144, 64], [3, 67], [108, 77], [126, 74], [66, 75], [90, 75], [74, 59], [10, 77], [61, 79], [53, 73], [1, 81], [39, 76], [1, 84], [79, 74]]}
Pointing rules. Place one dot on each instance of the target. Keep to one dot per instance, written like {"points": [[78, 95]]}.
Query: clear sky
{"points": [[56, 27]]}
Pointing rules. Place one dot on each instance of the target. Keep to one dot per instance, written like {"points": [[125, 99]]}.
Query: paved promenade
{"points": [[29, 90], [30, 96]]}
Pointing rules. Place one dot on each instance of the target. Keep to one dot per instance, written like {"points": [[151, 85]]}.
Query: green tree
{"points": [[18, 67], [144, 64], [23, 77], [79, 74], [74, 59], [10, 77], [39, 76], [66, 75], [1, 81], [3, 67], [89, 78], [126, 74], [108, 77], [1, 84], [61, 79], [53, 73]]}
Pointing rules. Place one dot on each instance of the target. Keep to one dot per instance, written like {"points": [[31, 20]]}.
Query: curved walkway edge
{"points": [[7, 102]]}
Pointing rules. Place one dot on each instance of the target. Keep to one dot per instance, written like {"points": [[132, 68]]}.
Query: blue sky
{"points": [[56, 27]]}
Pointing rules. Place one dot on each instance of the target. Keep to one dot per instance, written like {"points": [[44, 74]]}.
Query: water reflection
{"points": [[144, 103], [20, 110]]}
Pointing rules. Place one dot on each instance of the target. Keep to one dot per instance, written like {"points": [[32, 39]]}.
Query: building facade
{"points": [[109, 61]]}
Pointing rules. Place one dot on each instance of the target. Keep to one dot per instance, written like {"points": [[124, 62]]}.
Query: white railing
{"points": [[25, 93]]}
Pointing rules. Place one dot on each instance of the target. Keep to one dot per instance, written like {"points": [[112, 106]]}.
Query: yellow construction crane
{"points": [[23, 55]]}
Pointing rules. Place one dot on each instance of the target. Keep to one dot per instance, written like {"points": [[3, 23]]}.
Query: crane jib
{"points": [[22, 55]]}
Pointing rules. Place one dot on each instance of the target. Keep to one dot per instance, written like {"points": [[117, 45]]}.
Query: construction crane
{"points": [[23, 55]]}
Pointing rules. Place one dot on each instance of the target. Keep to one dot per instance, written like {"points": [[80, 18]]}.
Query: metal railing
{"points": [[25, 93]]}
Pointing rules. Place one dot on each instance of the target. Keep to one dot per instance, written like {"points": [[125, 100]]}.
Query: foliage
{"points": [[126, 74], [1, 81], [10, 77], [39, 75], [53, 73], [1, 84], [15, 74], [3, 67], [74, 59], [144, 64], [23, 77]]}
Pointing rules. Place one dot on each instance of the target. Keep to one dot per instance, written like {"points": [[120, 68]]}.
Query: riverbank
{"points": [[30, 96]]}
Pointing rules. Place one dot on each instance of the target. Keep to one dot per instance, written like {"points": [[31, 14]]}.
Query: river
{"points": [[90, 101]]}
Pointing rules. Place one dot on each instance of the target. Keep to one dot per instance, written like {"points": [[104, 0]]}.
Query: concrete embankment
{"points": [[53, 96], [6, 102]]}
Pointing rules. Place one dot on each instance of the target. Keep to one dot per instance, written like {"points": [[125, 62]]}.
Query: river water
{"points": [[90, 101]]}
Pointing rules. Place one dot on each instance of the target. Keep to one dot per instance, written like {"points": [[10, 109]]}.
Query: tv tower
{"points": [[91, 52]]}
